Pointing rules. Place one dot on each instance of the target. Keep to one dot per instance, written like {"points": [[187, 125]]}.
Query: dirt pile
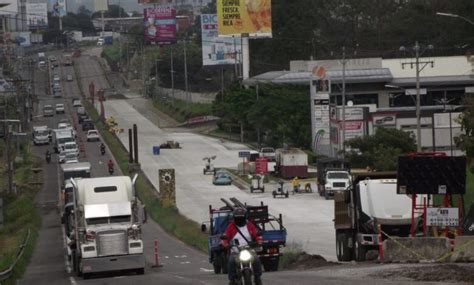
{"points": [[432, 273], [304, 261]]}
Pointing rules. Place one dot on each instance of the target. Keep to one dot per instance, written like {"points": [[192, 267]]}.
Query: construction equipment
{"points": [[281, 191], [257, 183], [209, 167]]}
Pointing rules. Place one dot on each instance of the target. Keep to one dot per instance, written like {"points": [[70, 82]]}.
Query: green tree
{"points": [[381, 150], [465, 141]]}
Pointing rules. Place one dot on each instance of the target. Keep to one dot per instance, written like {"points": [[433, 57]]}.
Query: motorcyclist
{"points": [[48, 156], [102, 148], [110, 166], [244, 231]]}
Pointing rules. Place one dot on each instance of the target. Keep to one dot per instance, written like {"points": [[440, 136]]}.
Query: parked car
{"points": [[81, 110], [92, 135], [69, 77], [222, 178], [59, 108], [87, 125]]}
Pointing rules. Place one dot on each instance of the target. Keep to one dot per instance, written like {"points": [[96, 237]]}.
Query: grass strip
{"points": [[19, 210], [182, 110], [169, 219]]}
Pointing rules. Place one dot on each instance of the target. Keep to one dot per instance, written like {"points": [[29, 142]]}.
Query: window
{"points": [[337, 175], [105, 189], [97, 221]]}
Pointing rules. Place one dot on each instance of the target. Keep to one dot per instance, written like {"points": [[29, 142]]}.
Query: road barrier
{"points": [[416, 249], [157, 257], [4, 275], [463, 249]]}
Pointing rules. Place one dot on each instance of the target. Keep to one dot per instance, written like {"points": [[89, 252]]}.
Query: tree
{"points": [[381, 150], [465, 141]]}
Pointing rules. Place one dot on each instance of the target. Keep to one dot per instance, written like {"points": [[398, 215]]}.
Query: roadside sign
{"points": [[261, 165], [442, 217], [244, 153]]}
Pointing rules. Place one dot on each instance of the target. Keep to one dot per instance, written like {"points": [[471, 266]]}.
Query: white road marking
{"points": [[180, 256], [167, 257], [73, 281], [179, 277], [206, 270], [185, 262]]}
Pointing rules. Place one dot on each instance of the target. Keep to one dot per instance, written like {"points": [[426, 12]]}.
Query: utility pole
{"points": [[172, 74], [186, 73], [103, 23], [419, 66], [343, 140]]}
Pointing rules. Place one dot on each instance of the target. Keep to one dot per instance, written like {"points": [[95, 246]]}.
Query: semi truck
{"points": [[333, 176], [372, 200], [106, 226]]}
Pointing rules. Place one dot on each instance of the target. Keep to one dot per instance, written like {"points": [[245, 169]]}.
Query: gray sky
{"points": [[128, 5]]}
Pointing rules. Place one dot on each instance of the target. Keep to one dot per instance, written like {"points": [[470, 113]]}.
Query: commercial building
{"points": [[381, 92]]}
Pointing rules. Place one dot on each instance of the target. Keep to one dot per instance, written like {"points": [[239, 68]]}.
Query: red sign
{"points": [[261, 165], [160, 24], [352, 125]]}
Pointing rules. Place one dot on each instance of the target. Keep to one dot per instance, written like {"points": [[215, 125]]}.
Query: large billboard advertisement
{"points": [[11, 7], [155, 1], [160, 24], [37, 15], [215, 50], [101, 5], [253, 17], [57, 8]]}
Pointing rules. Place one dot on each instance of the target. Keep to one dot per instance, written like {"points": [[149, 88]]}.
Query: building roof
{"points": [[435, 80], [369, 75]]}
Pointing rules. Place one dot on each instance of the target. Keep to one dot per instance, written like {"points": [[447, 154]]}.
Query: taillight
{"points": [[90, 236], [273, 250]]}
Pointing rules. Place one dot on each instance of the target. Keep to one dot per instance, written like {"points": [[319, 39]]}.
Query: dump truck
{"points": [[333, 175], [106, 231], [271, 228], [372, 200]]}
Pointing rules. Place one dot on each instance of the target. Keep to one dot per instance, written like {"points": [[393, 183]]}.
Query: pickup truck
{"points": [[268, 152], [272, 230]]}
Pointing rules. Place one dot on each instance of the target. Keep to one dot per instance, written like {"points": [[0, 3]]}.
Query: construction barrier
{"points": [[417, 249], [463, 249]]}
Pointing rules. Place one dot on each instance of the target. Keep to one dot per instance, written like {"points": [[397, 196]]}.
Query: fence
{"points": [[4, 275]]}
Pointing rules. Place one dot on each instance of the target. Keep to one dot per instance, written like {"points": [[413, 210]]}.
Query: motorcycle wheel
{"points": [[247, 275], [217, 263]]}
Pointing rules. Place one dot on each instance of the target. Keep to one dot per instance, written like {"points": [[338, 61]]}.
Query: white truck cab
{"points": [[68, 150], [337, 180], [62, 136]]}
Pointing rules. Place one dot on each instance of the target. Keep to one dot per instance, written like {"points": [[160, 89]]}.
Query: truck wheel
{"points": [[274, 195], [263, 189], [339, 245], [271, 265], [140, 271], [326, 195], [251, 189], [360, 251], [224, 264], [346, 250]]}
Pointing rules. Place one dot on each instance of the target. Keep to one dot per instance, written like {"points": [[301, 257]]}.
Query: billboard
{"points": [[215, 50], [253, 17], [10, 9], [57, 8], [23, 39], [37, 15], [101, 5], [160, 24]]}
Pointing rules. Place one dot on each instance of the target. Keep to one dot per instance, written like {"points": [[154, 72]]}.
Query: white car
{"points": [[69, 77], [68, 152], [59, 108], [77, 103], [93, 135], [70, 158], [64, 125]]}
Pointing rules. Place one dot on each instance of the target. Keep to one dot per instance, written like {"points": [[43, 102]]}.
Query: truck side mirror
{"points": [[203, 228]]}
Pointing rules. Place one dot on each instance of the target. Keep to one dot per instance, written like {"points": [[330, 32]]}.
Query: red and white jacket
{"points": [[231, 231]]}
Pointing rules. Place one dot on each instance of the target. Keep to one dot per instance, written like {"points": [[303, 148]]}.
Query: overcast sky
{"points": [[128, 5]]}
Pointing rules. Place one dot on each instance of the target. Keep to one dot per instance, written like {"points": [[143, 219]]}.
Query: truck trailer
{"points": [[106, 231], [372, 200], [291, 162]]}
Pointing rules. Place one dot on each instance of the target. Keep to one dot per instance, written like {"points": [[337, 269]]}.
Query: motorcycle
{"points": [[244, 258], [48, 157], [111, 169], [102, 149]]}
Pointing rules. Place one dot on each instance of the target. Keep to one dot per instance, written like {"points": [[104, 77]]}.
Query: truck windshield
{"points": [[65, 140], [109, 220], [70, 146], [42, 133], [338, 175]]}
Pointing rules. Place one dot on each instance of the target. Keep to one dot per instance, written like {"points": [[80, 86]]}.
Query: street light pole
{"points": [[418, 112], [343, 139], [186, 73], [455, 16]]}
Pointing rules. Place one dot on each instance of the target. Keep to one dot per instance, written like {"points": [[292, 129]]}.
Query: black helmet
{"points": [[240, 217]]}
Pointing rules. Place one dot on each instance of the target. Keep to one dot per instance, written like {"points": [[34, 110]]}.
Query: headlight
{"points": [[245, 255], [328, 187]]}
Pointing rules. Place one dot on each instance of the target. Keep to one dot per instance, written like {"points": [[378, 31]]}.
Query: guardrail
{"points": [[4, 275]]}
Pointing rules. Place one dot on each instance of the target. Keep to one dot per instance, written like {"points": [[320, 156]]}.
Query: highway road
{"points": [[181, 264]]}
